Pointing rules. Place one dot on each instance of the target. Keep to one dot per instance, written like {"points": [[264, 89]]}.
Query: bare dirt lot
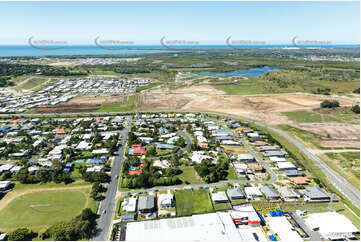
{"points": [[264, 108], [339, 134], [96, 99], [67, 108]]}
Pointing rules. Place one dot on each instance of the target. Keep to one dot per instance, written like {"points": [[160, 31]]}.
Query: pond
{"points": [[251, 72]]}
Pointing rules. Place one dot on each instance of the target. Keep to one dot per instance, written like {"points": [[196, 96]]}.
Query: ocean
{"points": [[27, 50]]}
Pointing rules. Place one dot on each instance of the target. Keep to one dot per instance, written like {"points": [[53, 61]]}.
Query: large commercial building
{"points": [[331, 225], [204, 227]]}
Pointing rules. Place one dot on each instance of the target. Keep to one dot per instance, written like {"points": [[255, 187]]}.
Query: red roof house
{"points": [[138, 149], [61, 131], [137, 172]]}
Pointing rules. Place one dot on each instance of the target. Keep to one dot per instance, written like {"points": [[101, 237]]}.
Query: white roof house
{"points": [[219, 197], [252, 192], [4, 185], [15, 169], [100, 151], [331, 225], [129, 205], [277, 159], [83, 145], [285, 165], [198, 156], [6, 167], [165, 200]]}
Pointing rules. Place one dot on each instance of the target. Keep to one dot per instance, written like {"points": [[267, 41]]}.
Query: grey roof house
{"points": [[269, 192], [146, 204]]}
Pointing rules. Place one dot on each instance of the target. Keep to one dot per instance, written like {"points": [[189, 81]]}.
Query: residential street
{"points": [[108, 205]]}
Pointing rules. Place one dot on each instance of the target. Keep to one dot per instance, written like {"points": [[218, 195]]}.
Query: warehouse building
{"points": [[332, 226]]}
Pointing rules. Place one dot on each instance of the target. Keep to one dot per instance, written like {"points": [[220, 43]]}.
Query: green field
{"points": [[337, 115], [189, 175], [149, 86], [39, 210], [128, 104], [190, 202]]}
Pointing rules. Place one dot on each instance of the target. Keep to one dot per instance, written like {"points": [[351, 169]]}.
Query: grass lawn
{"points": [[303, 116], [339, 115], [190, 202], [149, 86], [39, 210], [221, 206], [128, 104], [309, 138], [189, 175], [347, 164], [232, 174]]}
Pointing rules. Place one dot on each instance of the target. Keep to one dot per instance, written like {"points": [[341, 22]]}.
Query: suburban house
{"points": [[235, 194], [146, 204], [4, 185], [137, 149], [219, 197], [269, 192], [287, 193], [252, 192], [129, 204], [166, 200], [245, 158], [315, 194]]}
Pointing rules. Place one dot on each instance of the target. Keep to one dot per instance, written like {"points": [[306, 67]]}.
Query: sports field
{"points": [[38, 210]]}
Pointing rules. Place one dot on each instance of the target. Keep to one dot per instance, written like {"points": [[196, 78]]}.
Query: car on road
{"points": [[104, 211]]}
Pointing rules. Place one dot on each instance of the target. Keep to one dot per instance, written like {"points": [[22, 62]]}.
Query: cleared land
{"points": [[319, 136], [190, 202], [189, 175], [38, 209]]}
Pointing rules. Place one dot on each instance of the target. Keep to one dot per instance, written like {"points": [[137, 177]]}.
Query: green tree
{"points": [[22, 234]]}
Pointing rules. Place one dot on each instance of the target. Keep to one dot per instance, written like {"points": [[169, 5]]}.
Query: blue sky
{"points": [[206, 22]]}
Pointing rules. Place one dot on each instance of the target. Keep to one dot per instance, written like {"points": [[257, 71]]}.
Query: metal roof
{"points": [[315, 192], [269, 192], [146, 202]]}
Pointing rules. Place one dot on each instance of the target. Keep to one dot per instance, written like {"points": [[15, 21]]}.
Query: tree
{"points": [[355, 109], [329, 104], [22, 234]]}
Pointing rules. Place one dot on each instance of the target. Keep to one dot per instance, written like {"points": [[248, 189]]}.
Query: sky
{"points": [[203, 22]]}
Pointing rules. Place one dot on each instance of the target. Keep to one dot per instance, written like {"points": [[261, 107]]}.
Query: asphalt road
{"points": [[104, 222], [314, 235]]}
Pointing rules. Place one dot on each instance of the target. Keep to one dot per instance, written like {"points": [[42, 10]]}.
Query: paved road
{"points": [[273, 178], [104, 223], [314, 235], [341, 184]]}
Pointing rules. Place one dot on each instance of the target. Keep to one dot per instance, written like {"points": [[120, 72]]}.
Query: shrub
{"points": [[329, 104]]}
